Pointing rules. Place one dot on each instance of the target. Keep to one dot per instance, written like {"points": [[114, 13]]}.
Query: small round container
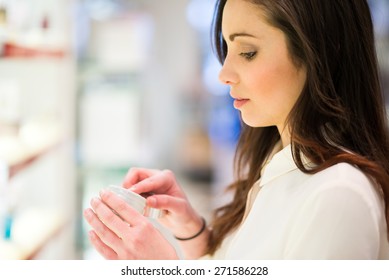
{"points": [[136, 201]]}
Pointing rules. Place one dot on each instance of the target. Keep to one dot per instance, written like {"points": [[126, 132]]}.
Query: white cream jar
{"points": [[136, 201]]}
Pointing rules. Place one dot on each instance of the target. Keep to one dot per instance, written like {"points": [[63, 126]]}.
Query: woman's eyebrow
{"points": [[240, 34]]}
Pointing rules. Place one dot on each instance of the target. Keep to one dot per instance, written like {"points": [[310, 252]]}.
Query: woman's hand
{"points": [[125, 235], [167, 195], [179, 216]]}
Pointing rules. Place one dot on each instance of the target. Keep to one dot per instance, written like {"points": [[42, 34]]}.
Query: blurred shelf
{"points": [[22, 147], [13, 50], [31, 231]]}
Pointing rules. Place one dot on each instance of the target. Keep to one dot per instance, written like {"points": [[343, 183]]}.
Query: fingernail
{"points": [[94, 201], [87, 213], [102, 192]]}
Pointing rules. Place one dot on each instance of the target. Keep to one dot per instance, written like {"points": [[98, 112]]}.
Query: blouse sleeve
{"points": [[338, 222]]}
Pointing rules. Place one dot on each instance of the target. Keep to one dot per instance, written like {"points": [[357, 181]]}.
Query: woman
{"points": [[313, 157]]}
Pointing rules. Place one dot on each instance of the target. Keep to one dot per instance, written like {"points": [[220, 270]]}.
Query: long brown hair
{"points": [[340, 108]]}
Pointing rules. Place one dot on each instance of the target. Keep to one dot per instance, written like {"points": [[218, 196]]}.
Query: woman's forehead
{"points": [[243, 17]]}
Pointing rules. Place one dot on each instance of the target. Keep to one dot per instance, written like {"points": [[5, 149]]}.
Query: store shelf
{"points": [[37, 126], [24, 146], [16, 51], [41, 225]]}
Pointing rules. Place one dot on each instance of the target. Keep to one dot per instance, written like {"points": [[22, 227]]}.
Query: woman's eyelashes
{"points": [[248, 55]]}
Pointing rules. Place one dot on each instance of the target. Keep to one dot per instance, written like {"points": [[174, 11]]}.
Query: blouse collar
{"points": [[279, 164]]}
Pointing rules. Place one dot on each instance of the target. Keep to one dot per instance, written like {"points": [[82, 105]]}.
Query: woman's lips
{"points": [[238, 103]]}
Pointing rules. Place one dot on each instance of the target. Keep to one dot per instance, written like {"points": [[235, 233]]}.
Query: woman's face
{"points": [[263, 80]]}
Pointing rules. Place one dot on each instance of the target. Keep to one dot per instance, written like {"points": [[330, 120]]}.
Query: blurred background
{"points": [[91, 88]]}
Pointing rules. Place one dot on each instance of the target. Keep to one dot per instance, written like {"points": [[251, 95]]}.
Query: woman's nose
{"points": [[226, 75]]}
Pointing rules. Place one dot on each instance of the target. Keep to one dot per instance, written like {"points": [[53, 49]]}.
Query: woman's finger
{"points": [[155, 183], [179, 216], [101, 219], [128, 215], [162, 182], [101, 247], [167, 202], [135, 175]]}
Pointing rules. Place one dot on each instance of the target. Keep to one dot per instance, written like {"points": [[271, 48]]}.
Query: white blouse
{"points": [[333, 214]]}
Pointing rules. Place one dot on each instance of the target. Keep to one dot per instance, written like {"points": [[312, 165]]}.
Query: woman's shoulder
{"points": [[347, 180], [341, 207], [343, 172]]}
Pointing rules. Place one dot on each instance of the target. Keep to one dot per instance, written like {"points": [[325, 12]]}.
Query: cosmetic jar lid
{"points": [[135, 200]]}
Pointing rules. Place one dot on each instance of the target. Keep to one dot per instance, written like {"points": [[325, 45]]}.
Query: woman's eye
{"points": [[248, 55]]}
